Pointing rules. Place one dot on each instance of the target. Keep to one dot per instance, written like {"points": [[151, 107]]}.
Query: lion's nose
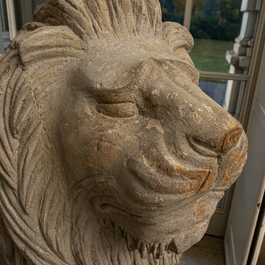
{"points": [[211, 148], [208, 124], [222, 134], [230, 139]]}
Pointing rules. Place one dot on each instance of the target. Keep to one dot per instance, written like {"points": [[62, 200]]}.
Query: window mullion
{"points": [[216, 75], [11, 18], [188, 13]]}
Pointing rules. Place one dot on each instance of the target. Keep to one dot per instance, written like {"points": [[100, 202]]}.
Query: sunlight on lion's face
{"points": [[152, 151]]}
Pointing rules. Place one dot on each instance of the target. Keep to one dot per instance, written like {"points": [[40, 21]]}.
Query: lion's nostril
{"points": [[229, 139], [212, 148], [201, 147]]}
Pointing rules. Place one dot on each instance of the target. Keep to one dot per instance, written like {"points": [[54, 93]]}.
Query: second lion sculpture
{"points": [[110, 152]]}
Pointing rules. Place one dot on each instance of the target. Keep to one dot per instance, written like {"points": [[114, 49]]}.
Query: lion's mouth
{"points": [[108, 206], [161, 172], [124, 220]]}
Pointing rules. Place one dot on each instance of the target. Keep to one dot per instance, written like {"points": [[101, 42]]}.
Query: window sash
{"points": [[188, 14]]}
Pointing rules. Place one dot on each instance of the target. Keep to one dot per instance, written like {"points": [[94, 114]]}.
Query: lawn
{"points": [[209, 55]]}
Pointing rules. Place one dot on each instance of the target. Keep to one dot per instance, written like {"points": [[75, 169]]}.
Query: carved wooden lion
{"points": [[110, 152]]}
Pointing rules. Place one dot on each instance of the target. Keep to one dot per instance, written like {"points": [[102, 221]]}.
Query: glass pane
{"points": [[4, 32], [214, 88], [215, 24], [219, 205], [24, 10], [209, 55], [172, 10], [227, 93]]}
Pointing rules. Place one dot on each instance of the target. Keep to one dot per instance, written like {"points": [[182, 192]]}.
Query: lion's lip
{"points": [[161, 171], [108, 206], [169, 177]]}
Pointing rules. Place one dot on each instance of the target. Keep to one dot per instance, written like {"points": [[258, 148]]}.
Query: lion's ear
{"points": [[47, 43], [177, 36]]}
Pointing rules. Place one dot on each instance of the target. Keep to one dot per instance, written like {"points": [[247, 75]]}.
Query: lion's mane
{"points": [[31, 186]]}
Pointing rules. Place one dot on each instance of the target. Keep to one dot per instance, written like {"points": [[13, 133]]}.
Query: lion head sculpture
{"points": [[110, 152]]}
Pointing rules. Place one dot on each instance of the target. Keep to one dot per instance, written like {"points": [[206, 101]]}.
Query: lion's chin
{"points": [[177, 243]]}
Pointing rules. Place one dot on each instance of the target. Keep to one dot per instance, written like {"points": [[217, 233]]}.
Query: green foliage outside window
{"points": [[211, 19]]}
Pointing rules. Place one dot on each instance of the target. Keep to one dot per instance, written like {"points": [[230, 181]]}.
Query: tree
{"points": [[216, 19], [197, 8], [179, 6], [167, 5], [168, 11], [223, 10]]}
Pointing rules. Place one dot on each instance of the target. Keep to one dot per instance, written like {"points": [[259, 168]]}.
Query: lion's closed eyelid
{"points": [[115, 96], [118, 110]]}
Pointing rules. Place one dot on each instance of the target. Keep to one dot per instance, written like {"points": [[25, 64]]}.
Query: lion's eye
{"points": [[118, 110]]}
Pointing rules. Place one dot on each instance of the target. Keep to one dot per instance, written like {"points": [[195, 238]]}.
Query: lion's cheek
{"points": [[192, 221], [107, 153], [104, 154]]}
